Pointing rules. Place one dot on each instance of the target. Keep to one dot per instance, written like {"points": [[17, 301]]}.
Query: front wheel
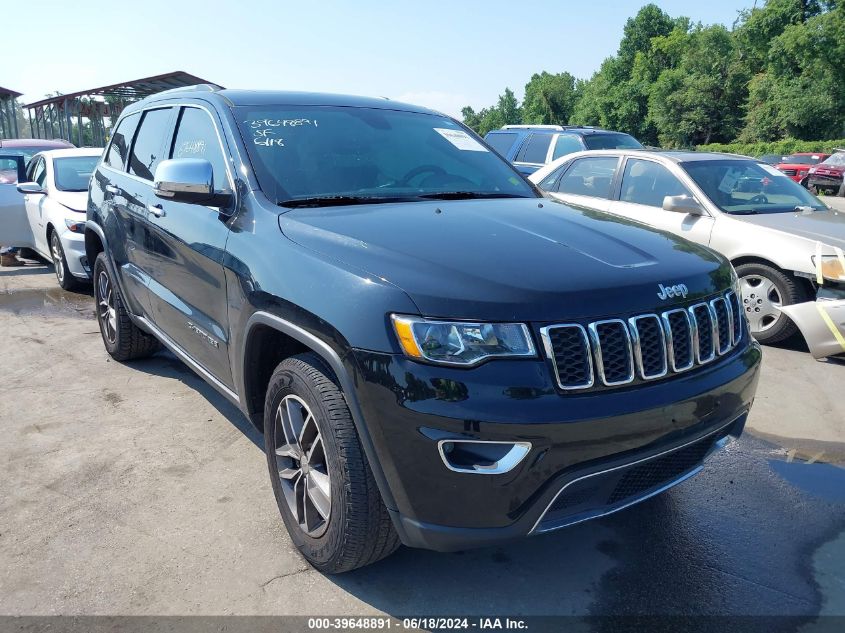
{"points": [[123, 339], [65, 278], [321, 479], [764, 290]]}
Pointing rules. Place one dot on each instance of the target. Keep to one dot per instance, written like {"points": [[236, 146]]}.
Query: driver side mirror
{"points": [[682, 204], [30, 187], [189, 180]]}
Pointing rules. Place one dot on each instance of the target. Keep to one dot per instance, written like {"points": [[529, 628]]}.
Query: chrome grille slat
{"points": [[677, 324], [724, 328], [736, 316], [564, 339], [649, 345], [614, 352], [617, 361], [704, 332]]}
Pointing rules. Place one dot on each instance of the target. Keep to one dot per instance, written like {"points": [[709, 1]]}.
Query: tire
{"points": [[123, 339], [343, 523], [762, 288], [63, 275]]}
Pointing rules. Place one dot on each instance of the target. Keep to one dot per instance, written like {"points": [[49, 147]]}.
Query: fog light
{"points": [[482, 457]]}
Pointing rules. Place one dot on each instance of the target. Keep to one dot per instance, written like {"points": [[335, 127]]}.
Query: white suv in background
{"points": [[51, 220]]}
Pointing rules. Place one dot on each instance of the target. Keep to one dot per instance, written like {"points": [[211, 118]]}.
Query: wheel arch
{"points": [[95, 242], [264, 329], [805, 283]]}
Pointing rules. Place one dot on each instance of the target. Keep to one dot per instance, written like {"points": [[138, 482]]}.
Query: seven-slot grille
{"points": [[648, 346]]}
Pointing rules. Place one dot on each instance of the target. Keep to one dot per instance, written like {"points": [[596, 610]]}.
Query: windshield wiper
{"points": [[744, 212], [339, 201], [468, 195]]}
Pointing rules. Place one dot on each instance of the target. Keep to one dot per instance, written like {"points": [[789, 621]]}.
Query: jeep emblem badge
{"points": [[666, 292]]}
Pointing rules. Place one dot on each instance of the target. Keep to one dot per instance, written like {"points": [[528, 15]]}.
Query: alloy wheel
{"points": [[302, 466], [105, 306], [56, 252], [761, 300]]}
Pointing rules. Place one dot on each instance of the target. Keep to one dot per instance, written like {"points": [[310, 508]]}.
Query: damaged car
{"points": [[784, 242]]}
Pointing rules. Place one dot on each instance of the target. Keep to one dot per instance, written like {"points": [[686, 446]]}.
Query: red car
{"points": [[827, 176], [25, 147], [796, 166]]}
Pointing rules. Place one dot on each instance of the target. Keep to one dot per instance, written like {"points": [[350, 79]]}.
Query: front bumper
{"points": [[582, 443], [77, 260], [822, 322], [821, 181]]}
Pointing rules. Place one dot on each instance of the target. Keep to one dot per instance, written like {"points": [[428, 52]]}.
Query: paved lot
{"points": [[136, 489]]}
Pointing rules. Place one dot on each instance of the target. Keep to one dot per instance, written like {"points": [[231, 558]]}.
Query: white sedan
{"points": [[786, 245], [50, 218]]}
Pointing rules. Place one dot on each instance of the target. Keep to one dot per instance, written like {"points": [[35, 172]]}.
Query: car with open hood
{"points": [[785, 243], [436, 354]]}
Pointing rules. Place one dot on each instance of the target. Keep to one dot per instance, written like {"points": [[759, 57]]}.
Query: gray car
{"points": [[785, 243]]}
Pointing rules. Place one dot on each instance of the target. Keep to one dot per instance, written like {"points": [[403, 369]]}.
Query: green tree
{"points": [[505, 112], [699, 100], [615, 97], [800, 92], [549, 99]]}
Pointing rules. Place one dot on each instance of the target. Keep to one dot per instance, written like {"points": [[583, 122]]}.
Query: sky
{"points": [[443, 55]]}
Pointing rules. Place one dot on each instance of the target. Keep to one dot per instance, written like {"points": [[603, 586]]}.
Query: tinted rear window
{"points": [[615, 140], [805, 159], [148, 149], [501, 142], [122, 138], [535, 149]]}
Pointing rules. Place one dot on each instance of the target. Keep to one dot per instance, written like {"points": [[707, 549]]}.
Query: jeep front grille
{"points": [[615, 352]]}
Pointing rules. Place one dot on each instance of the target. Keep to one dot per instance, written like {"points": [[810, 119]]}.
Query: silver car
{"points": [[785, 244]]}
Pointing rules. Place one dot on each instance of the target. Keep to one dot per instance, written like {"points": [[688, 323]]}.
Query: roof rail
{"points": [[533, 127], [557, 128], [194, 88]]}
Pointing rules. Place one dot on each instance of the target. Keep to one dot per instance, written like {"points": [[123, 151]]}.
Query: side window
{"points": [[534, 150], [566, 144], [549, 183], [196, 137], [592, 176], [148, 148], [39, 172], [30, 169], [502, 142], [646, 182], [121, 139]]}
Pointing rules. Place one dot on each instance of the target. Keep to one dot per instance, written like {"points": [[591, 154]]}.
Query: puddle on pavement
{"points": [[818, 468], [816, 478], [51, 302]]}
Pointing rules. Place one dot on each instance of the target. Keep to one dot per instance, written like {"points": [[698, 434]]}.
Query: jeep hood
{"points": [[827, 227], [512, 259]]}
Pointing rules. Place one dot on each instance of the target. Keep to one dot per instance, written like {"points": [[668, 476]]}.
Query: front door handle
{"points": [[156, 209], [112, 190]]}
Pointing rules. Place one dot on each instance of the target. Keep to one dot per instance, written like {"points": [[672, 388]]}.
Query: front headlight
{"points": [[459, 342], [832, 267]]}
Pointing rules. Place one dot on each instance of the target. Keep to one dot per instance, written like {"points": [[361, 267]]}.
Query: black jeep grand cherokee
{"points": [[436, 354]]}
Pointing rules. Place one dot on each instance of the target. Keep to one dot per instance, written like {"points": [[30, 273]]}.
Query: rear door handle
{"points": [[112, 190], [156, 209]]}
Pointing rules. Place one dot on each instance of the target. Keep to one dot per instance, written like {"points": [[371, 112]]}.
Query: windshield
{"points": [[837, 160], [802, 159], [321, 153], [26, 152], [72, 173], [746, 186], [616, 140]]}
